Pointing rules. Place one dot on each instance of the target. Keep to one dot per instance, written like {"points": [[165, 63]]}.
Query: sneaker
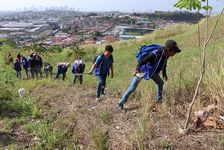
{"points": [[103, 96], [98, 99], [120, 106], [159, 102]]}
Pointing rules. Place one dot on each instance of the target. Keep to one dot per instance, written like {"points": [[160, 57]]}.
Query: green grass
{"points": [[100, 139], [183, 72], [106, 117]]}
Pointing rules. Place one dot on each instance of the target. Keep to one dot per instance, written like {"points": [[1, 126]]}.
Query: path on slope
{"points": [[79, 102]]}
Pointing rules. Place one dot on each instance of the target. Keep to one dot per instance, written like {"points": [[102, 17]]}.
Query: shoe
{"points": [[103, 96], [120, 106], [98, 99], [159, 102]]}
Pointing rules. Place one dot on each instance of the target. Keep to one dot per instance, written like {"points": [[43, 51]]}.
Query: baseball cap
{"points": [[172, 45]]}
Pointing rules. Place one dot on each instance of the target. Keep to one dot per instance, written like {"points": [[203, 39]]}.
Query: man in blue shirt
{"points": [[101, 69]]}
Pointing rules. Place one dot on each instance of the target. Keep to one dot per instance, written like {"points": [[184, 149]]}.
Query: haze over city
{"points": [[99, 5]]}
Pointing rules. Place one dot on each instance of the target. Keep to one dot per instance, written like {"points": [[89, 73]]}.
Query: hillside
{"points": [[56, 114]]}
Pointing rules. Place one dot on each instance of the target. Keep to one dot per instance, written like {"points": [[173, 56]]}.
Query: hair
{"points": [[109, 48]]}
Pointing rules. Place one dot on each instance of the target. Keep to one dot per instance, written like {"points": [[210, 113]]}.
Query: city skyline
{"points": [[99, 5]]}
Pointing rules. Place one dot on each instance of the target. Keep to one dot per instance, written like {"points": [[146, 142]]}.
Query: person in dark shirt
{"points": [[62, 69], [32, 64], [152, 65], [38, 65], [25, 65], [18, 68]]}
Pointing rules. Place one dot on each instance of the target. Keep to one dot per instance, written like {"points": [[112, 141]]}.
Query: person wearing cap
{"points": [[157, 58]]}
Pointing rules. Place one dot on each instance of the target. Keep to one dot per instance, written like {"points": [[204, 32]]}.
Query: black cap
{"points": [[172, 45]]}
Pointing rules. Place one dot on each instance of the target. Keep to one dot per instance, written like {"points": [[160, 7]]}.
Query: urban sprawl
{"points": [[65, 27]]}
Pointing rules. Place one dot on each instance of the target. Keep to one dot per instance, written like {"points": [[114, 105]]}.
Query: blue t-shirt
{"points": [[103, 64]]}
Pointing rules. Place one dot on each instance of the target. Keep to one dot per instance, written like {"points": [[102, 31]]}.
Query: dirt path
{"points": [[120, 127]]}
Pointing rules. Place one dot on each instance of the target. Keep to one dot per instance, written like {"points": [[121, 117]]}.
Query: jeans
{"points": [[134, 84], [79, 77], [100, 85], [159, 86]]}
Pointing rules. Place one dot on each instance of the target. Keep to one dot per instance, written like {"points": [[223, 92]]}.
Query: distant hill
{"points": [[176, 16]]}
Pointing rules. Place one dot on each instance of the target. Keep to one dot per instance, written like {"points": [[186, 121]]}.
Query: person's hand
{"points": [[112, 75], [90, 72], [135, 72], [165, 77]]}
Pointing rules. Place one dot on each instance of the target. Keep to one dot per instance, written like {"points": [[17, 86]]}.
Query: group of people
{"points": [[77, 70], [33, 63], [151, 60]]}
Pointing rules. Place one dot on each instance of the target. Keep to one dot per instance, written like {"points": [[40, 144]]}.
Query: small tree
{"points": [[199, 5], [77, 50]]}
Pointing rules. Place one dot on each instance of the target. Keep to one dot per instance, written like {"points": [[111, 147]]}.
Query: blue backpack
{"points": [[78, 68], [146, 50], [25, 63], [74, 68]]}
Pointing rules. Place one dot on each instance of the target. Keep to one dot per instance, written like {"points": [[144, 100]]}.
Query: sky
{"points": [[102, 5]]}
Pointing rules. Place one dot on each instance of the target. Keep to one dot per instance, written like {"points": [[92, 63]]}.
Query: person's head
{"points": [[171, 48], [108, 51]]}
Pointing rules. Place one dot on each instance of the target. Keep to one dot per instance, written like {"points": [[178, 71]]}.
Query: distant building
{"points": [[24, 31], [89, 42], [127, 32]]}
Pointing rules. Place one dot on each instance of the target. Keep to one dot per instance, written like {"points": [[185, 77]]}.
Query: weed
{"points": [[106, 117], [165, 145], [100, 139]]}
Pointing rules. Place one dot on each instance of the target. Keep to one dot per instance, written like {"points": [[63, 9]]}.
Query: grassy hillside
{"points": [[57, 114]]}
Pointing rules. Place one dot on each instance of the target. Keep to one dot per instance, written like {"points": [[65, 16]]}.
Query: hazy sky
{"points": [[101, 5]]}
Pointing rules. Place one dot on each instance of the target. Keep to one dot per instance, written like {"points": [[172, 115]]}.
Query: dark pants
{"points": [[47, 72], [80, 78], [100, 85], [18, 73], [26, 72], [33, 72], [38, 71], [60, 72]]}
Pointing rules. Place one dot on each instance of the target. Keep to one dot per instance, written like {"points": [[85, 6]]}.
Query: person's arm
{"points": [[165, 77], [97, 62], [150, 58], [112, 70], [92, 68], [41, 62]]}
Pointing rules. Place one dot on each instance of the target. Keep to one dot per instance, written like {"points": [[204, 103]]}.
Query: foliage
{"points": [[192, 5], [36, 47]]}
